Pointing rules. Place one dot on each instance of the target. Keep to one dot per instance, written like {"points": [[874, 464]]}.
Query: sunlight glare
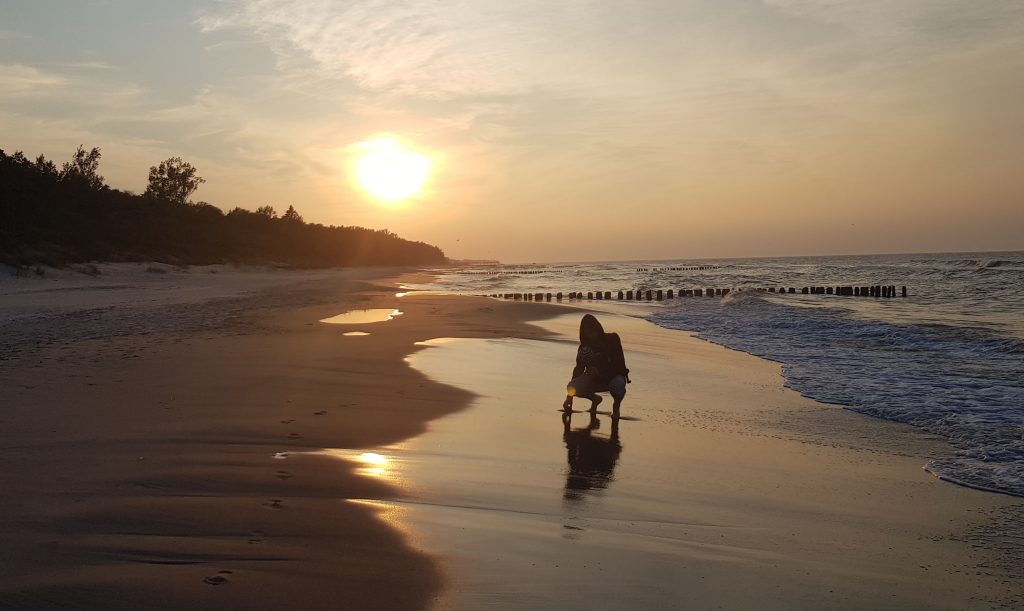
{"points": [[388, 170], [374, 465]]}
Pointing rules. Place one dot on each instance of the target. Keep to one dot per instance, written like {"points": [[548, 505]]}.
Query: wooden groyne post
{"points": [[878, 291]]}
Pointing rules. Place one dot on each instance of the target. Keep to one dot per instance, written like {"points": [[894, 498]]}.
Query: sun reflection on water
{"points": [[436, 341], [380, 466], [372, 464]]}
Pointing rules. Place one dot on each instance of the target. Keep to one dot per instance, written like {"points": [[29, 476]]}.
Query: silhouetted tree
{"points": [[46, 167], [82, 168], [267, 211], [292, 215], [206, 209], [174, 180]]}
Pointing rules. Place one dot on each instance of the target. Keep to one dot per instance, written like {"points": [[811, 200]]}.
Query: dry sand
{"points": [[163, 439]]}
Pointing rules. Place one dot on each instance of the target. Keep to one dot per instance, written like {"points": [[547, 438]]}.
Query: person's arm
{"points": [[576, 371]]}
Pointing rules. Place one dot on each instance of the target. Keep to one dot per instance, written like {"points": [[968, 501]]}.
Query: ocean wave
{"points": [[966, 384], [967, 264]]}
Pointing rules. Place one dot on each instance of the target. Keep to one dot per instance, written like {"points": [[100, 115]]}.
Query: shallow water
{"points": [[357, 317]]}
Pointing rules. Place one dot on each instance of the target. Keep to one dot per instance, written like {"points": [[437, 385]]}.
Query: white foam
{"points": [[964, 384]]}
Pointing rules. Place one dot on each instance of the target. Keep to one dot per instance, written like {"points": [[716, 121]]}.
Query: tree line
{"points": [[57, 216]]}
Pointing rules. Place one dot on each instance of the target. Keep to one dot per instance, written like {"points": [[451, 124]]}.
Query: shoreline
{"points": [[173, 478]]}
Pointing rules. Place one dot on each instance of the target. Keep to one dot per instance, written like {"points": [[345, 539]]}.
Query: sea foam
{"points": [[962, 383]]}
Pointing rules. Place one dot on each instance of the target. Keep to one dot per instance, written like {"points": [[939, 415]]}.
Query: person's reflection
{"points": [[592, 457]]}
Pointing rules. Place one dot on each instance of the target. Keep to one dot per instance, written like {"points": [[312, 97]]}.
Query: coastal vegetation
{"points": [[63, 215]]}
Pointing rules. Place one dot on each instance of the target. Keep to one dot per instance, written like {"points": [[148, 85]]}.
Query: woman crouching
{"points": [[600, 367]]}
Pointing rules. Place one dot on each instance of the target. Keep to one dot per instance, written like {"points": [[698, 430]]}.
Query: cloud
{"points": [[20, 80], [639, 59], [451, 50], [381, 46], [89, 65]]}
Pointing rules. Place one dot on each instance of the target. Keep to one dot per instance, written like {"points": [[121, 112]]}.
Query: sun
{"points": [[388, 170]]}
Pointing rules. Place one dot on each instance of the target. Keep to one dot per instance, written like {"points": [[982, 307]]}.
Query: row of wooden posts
{"points": [[674, 269], [527, 272], [661, 295], [510, 272]]}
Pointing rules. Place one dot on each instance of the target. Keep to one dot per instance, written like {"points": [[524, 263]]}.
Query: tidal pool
{"points": [[360, 317]]}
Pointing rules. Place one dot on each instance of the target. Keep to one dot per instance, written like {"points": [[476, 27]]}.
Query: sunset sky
{"points": [[567, 130]]}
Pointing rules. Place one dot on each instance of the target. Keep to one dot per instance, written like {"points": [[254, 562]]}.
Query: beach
{"points": [[187, 438]]}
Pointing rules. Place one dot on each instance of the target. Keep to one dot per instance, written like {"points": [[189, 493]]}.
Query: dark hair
{"points": [[590, 324]]}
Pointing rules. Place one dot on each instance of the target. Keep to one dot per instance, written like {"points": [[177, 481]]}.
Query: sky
{"points": [[556, 131]]}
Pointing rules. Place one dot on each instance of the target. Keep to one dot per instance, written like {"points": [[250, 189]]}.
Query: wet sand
{"points": [[718, 488], [173, 442]]}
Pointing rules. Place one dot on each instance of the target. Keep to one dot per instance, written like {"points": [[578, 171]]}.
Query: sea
{"points": [[948, 358]]}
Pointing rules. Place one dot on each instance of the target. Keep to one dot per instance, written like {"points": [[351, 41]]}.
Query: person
{"points": [[600, 367]]}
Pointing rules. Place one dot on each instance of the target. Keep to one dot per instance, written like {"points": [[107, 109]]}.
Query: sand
{"points": [[141, 417], [188, 439]]}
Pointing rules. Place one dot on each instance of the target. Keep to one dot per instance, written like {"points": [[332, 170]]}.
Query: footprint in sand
{"points": [[257, 536], [294, 436], [216, 580], [283, 475], [320, 413], [287, 421], [274, 504]]}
